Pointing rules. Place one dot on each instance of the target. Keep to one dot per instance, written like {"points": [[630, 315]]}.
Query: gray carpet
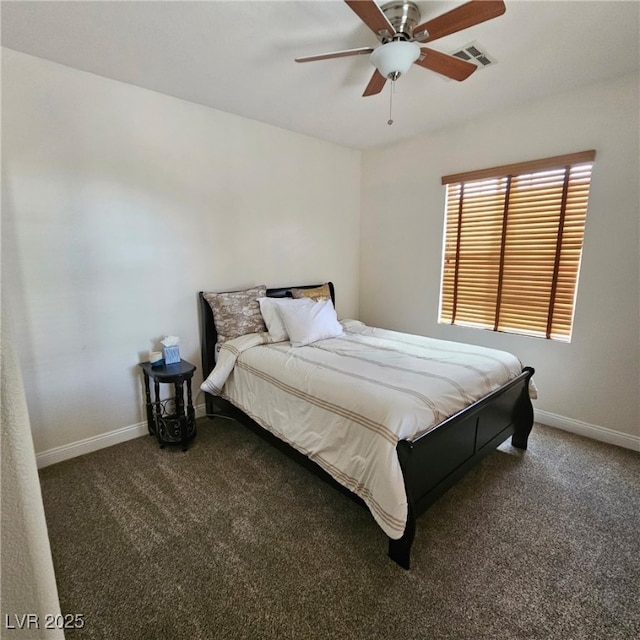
{"points": [[232, 539]]}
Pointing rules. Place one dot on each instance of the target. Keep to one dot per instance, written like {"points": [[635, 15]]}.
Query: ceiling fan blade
{"points": [[371, 14], [446, 65], [337, 54], [462, 17], [376, 84]]}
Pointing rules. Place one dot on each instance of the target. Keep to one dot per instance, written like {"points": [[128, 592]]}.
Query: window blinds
{"points": [[513, 242]]}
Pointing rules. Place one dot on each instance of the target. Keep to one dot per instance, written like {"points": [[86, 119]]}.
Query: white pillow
{"points": [[308, 323], [273, 321]]}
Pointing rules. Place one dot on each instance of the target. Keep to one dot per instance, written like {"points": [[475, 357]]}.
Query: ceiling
{"points": [[238, 56]]}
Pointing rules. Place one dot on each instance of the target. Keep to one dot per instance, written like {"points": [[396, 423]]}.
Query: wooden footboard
{"points": [[434, 462]]}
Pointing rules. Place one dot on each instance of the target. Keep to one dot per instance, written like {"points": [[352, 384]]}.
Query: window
{"points": [[512, 246]]}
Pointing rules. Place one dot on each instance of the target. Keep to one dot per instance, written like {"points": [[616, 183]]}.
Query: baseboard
{"points": [[588, 430], [87, 445], [74, 449]]}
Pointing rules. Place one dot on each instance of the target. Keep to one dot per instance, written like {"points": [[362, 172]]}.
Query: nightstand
{"points": [[170, 420]]}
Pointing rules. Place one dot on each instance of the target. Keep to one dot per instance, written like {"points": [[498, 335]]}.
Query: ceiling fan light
{"points": [[395, 58]]}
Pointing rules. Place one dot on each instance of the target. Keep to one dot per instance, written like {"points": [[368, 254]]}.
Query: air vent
{"points": [[473, 52]]}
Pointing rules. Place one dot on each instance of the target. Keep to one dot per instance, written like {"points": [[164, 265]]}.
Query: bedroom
{"points": [[127, 222]]}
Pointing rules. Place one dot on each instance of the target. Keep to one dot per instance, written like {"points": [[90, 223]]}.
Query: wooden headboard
{"points": [[209, 335]]}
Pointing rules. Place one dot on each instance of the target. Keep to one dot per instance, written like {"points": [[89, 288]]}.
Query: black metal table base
{"points": [[170, 420]]}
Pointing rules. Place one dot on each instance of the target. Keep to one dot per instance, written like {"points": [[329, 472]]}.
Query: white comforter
{"points": [[345, 402]]}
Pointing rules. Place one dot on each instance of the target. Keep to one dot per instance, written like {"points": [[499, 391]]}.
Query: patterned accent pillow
{"points": [[236, 313], [318, 293]]}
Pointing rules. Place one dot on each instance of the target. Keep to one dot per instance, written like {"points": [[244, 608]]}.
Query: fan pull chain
{"points": [[391, 92]]}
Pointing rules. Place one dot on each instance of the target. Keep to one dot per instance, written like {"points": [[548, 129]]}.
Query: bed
{"points": [[327, 405]]}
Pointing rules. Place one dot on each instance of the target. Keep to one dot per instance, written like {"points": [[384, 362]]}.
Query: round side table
{"points": [[170, 420]]}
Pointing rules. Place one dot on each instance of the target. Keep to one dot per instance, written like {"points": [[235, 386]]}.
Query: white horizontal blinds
{"points": [[513, 242]]}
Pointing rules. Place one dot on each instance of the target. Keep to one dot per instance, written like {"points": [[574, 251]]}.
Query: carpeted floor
{"points": [[232, 539]]}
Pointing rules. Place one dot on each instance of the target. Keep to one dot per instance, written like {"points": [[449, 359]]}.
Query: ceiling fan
{"points": [[397, 26]]}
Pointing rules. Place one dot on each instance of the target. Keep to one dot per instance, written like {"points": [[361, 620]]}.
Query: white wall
{"points": [[28, 579], [595, 379], [120, 204]]}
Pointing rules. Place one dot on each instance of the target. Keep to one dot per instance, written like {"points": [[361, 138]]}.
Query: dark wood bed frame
{"points": [[433, 462]]}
